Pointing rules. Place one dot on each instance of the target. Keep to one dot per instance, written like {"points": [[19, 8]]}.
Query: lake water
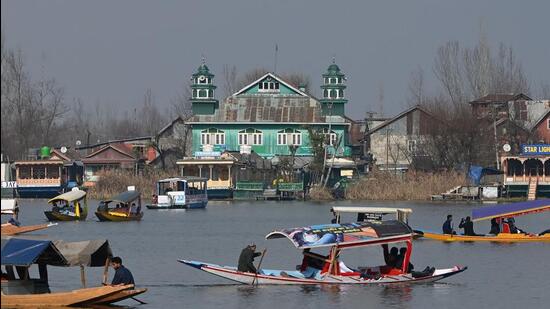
{"points": [[498, 275]]}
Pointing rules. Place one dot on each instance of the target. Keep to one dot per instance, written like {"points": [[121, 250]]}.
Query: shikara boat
{"points": [[499, 213], [180, 193], [26, 292], [9, 229], [329, 269], [124, 207], [69, 206]]}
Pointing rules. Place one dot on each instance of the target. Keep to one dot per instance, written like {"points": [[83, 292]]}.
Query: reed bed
{"points": [[319, 193], [112, 182], [413, 185]]}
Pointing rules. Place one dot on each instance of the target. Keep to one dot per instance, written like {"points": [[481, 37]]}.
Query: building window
{"points": [[24, 172], [212, 136], [250, 137], [268, 85], [548, 124], [52, 172], [38, 172], [341, 93], [203, 80], [333, 80], [325, 93], [333, 93], [289, 137], [203, 93], [330, 139], [411, 146]]}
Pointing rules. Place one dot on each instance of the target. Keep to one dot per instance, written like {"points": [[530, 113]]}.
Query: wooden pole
{"points": [[106, 270], [82, 276], [255, 280]]}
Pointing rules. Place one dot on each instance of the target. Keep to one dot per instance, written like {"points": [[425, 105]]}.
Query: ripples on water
{"points": [[499, 275]]}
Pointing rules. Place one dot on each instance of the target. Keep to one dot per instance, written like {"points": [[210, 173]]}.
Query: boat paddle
{"points": [[139, 301], [255, 280]]}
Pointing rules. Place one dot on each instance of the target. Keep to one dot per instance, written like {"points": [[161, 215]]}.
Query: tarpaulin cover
{"points": [[25, 252], [346, 234], [510, 210], [91, 253]]}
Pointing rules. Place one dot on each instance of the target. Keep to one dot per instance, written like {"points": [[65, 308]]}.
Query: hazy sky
{"points": [[112, 51]]}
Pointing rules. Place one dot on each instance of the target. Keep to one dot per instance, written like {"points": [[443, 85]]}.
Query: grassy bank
{"points": [[412, 185], [113, 182]]}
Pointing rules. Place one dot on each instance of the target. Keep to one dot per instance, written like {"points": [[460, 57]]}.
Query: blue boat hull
{"points": [[39, 192], [197, 205]]}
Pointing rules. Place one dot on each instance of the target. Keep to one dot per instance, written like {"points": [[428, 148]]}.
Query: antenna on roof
{"points": [[276, 51], [203, 59]]}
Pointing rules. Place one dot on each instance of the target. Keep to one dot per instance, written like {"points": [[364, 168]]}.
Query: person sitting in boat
{"points": [[401, 259], [246, 259], [390, 257], [14, 222], [495, 227], [122, 275], [448, 225], [468, 226], [513, 228]]}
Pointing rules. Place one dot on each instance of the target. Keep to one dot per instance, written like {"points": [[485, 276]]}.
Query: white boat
{"points": [[180, 193], [317, 269]]}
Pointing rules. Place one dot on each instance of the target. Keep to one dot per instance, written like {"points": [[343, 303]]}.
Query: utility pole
{"points": [[495, 132]]}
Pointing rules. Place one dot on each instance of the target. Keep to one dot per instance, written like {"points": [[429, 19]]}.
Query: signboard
{"points": [[207, 154], [535, 149], [9, 184]]}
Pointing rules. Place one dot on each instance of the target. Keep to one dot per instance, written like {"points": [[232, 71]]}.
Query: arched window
{"points": [[330, 138], [289, 137], [333, 93], [325, 93], [194, 93], [341, 94], [212, 136], [203, 93], [251, 136], [268, 85]]}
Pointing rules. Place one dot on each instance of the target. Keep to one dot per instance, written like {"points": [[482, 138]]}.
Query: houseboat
{"points": [[180, 193], [49, 176]]}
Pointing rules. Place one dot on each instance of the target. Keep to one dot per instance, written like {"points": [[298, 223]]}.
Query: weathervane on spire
{"points": [[334, 59], [203, 59]]}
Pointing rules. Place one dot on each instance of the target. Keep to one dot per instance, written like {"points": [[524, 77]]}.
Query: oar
{"points": [[139, 301], [258, 269]]}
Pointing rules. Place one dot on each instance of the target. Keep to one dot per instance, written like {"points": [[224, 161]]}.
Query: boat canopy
{"points": [[92, 253], [345, 235], [510, 210], [25, 252], [185, 178], [124, 197], [372, 210], [70, 196]]}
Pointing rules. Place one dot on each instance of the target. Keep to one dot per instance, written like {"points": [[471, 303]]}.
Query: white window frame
{"points": [[293, 137], [548, 123], [269, 86], [250, 136], [212, 138], [332, 137]]}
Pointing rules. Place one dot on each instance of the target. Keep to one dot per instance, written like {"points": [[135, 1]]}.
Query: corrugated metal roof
{"points": [[501, 98], [258, 108]]}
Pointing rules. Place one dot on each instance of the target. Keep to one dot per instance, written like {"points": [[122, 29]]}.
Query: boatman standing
{"points": [[246, 259], [122, 276]]}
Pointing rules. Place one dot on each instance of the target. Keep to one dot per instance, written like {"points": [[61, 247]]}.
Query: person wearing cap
{"points": [[246, 259]]}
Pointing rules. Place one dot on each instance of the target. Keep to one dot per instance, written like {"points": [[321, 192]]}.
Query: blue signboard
{"points": [[207, 153], [535, 149]]}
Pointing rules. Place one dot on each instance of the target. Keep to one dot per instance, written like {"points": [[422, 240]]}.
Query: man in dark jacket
{"points": [[468, 227], [122, 276], [246, 259], [448, 225]]}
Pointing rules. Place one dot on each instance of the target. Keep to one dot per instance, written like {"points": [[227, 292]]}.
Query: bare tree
{"points": [[447, 69], [229, 79], [416, 88]]}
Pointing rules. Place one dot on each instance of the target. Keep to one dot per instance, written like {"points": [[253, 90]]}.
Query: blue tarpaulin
{"points": [[476, 172], [25, 252], [510, 210]]}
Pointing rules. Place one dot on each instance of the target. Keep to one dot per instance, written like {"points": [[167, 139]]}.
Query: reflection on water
{"points": [[393, 295]]}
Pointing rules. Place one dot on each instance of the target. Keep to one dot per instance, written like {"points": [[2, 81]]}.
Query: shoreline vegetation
{"points": [[414, 185]]}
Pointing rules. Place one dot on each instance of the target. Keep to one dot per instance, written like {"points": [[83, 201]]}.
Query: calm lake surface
{"points": [[499, 275]]}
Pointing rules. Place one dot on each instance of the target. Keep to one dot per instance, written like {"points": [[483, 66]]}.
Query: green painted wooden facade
{"points": [[269, 147]]}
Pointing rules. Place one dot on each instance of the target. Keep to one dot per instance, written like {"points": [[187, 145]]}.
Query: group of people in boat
{"points": [[394, 258], [508, 226], [65, 208]]}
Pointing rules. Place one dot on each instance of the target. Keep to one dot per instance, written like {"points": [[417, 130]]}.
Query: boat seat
{"points": [[505, 228]]}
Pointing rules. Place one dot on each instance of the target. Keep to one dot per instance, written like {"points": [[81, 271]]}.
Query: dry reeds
{"points": [[412, 185], [112, 182], [319, 193]]}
